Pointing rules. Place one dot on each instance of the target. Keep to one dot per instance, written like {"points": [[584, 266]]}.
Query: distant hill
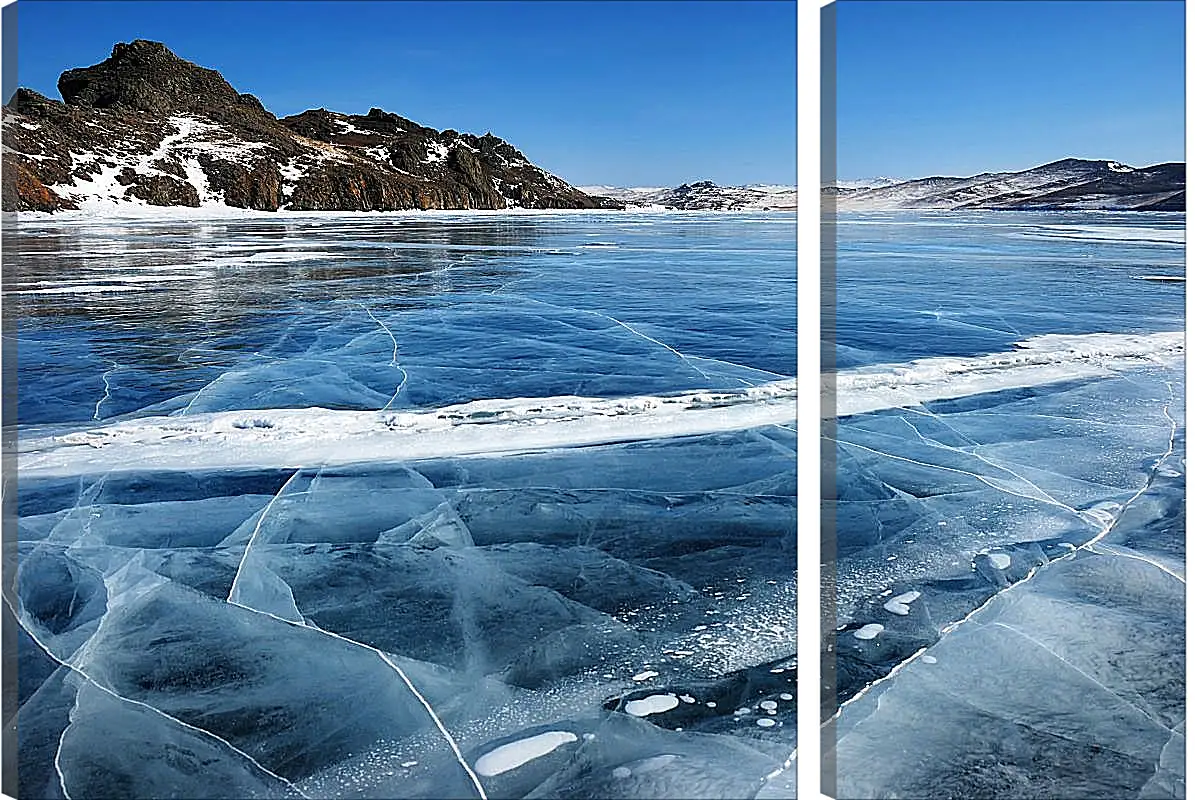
{"points": [[704, 196], [1068, 184]]}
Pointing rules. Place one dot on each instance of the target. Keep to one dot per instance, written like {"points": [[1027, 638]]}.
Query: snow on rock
{"points": [[1070, 183], [162, 145], [437, 153]]}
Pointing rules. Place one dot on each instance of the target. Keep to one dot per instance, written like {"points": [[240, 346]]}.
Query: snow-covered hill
{"points": [[867, 183], [703, 196], [1071, 183]]}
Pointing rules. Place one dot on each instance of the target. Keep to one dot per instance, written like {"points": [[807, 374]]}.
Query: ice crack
{"points": [[1085, 674], [687, 359], [1087, 515], [393, 357], [107, 389], [431, 712], [112, 693], [390, 333], [1089, 545], [256, 530], [1107, 550], [58, 751], [1041, 497]]}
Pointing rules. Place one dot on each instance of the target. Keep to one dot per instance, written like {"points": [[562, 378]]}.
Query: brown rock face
{"points": [[23, 191], [145, 124], [258, 187], [358, 189], [163, 190]]}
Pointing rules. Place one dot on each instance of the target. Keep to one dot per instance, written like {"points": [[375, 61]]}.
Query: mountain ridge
{"points": [[704, 196], [1064, 184], [148, 127]]}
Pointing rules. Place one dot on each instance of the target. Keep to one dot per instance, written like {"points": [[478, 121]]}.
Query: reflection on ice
{"points": [[425, 509], [366, 314]]}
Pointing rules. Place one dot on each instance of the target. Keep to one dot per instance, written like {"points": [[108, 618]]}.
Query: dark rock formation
{"points": [[145, 125], [159, 190], [145, 76]]}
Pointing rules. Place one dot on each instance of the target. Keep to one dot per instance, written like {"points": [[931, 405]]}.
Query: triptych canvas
{"points": [[623, 400]]}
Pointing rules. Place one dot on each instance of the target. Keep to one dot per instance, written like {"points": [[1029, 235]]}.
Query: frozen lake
{"points": [[1010, 448], [448, 505]]}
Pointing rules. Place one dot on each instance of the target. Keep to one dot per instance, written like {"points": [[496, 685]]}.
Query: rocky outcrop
{"points": [[22, 189], [146, 126], [1068, 184], [158, 190], [145, 76]]}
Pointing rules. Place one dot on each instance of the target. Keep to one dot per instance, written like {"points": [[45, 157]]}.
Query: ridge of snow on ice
{"points": [[282, 437], [1049, 358]]}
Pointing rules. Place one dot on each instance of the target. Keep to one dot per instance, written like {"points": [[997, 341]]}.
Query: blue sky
{"points": [[626, 93], [957, 87]]}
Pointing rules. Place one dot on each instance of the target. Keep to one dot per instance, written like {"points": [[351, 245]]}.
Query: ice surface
{"points": [[333, 295], [429, 508], [1009, 508], [1015, 682]]}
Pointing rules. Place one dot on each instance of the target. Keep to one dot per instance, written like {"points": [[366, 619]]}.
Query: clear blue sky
{"points": [[625, 93], [957, 87]]}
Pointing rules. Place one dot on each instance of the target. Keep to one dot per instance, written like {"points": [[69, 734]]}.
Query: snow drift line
{"points": [[1040, 360], [292, 438]]}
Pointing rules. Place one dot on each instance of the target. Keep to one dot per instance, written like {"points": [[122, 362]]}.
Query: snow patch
{"points": [[515, 754], [437, 153], [869, 631], [899, 605], [653, 704], [1000, 560]]}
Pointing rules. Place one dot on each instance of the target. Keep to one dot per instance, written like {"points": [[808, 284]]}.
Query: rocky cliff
{"points": [[147, 127]]}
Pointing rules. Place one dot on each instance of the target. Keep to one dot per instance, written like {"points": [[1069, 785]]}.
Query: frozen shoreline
{"points": [[131, 212]]}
